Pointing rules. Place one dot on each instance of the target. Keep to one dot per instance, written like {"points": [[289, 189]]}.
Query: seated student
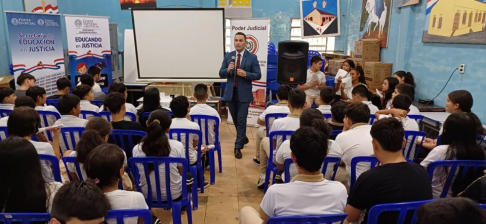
{"points": [[69, 106], [24, 81], [387, 89], [362, 94], [7, 98], [23, 101], [395, 181], [327, 97], [280, 107], [90, 81], [309, 193], [85, 93], [151, 102], [79, 202], [309, 118], [357, 79], [406, 89], [401, 102], [337, 112], [201, 108], [347, 66], [22, 173], [115, 103], [458, 142], [296, 105], [38, 94], [316, 80], [355, 139], [118, 87], [451, 211], [24, 122], [95, 72], [404, 78], [63, 87]]}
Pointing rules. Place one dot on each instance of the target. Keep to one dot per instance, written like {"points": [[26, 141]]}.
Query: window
{"points": [[484, 17], [470, 19], [227, 34], [433, 22], [440, 23], [464, 18], [316, 44]]}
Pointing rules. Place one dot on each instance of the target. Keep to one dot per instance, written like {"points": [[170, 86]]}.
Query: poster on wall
{"points": [[256, 31], [41, 6], [375, 20], [455, 22], [320, 18], [234, 3], [36, 47], [138, 4], [89, 45]]}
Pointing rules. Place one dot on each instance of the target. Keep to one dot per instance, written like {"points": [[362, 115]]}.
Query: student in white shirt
{"points": [[69, 107], [106, 166], [201, 108], [24, 189], [23, 101], [118, 87], [7, 98], [408, 90], [458, 142], [357, 79], [280, 107], [24, 81], [296, 105], [327, 96], [63, 87], [401, 102], [90, 81], [38, 94], [95, 72], [316, 80], [309, 193], [363, 95], [85, 93], [387, 89], [347, 66], [355, 140]]}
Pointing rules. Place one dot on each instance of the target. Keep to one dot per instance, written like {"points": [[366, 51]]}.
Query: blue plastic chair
{"points": [[311, 54], [272, 50], [5, 112], [327, 116], [321, 219], [3, 133], [86, 114], [330, 81], [155, 201], [453, 167], [119, 215], [194, 169], [71, 159], [483, 206], [52, 102], [400, 208], [361, 159], [128, 116], [271, 166], [372, 119], [270, 118], [98, 103], [24, 218], [69, 138], [328, 160], [411, 149], [203, 121], [47, 116], [335, 133], [125, 139], [54, 165], [417, 118]]}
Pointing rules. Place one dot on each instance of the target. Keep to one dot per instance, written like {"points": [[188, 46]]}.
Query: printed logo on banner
{"points": [[78, 23], [40, 22], [252, 44], [15, 21]]}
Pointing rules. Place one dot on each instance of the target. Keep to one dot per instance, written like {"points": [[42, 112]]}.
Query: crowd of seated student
{"points": [[361, 94], [89, 80], [401, 102], [22, 101], [85, 94], [63, 88], [118, 87]]}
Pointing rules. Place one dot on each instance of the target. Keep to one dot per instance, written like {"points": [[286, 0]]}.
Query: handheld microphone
{"points": [[233, 59]]}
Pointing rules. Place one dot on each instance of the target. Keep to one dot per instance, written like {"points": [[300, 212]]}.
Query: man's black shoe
{"points": [[238, 154], [246, 141]]}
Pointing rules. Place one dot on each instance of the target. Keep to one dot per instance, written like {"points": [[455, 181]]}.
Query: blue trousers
{"points": [[239, 113]]}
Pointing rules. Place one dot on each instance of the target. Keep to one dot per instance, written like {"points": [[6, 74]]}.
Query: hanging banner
{"points": [[89, 45], [256, 31], [36, 47], [41, 6]]}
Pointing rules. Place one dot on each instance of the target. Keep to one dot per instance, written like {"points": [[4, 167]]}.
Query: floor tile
{"points": [[222, 217], [222, 203], [223, 190]]}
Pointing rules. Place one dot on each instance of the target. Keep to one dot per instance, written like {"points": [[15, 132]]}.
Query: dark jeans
{"points": [[239, 113]]}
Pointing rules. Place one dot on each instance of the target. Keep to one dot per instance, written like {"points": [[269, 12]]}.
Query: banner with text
{"points": [[256, 31], [89, 45], [36, 47]]}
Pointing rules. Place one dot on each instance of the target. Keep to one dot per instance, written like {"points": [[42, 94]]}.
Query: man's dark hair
{"points": [[24, 101], [309, 147], [451, 211], [179, 106], [79, 199], [389, 133], [337, 111], [117, 87], [406, 89], [402, 101], [81, 91], [35, 92], [358, 112], [94, 70], [114, 102], [5, 92], [201, 91], [87, 80], [297, 98], [241, 33], [23, 121], [22, 77], [283, 92], [315, 59], [62, 83], [67, 103], [362, 91], [327, 95]]}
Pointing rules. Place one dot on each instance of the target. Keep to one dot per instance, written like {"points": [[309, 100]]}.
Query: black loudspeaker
{"points": [[292, 62]]}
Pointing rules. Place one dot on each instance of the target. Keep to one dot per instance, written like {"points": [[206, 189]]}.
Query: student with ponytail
{"points": [[404, 77], [357, 78], [387, 88]]}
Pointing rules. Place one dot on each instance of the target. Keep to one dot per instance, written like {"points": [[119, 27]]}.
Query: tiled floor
{"points": [[234, 188]]}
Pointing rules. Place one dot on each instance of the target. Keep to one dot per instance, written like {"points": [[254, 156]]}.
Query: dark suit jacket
{"points": [[250, 64]]}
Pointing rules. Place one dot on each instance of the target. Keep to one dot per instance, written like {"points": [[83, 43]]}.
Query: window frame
{"points": [[327, 45]]}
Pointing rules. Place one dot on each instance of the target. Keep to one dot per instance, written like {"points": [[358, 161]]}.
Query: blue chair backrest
{"points": [[274, 135], [321, 219], [327, 116], [119, 215], [411, 149], [156, 200], [327, 161], [183, 135], [372, 119], [86, 114], [126, 139], [271, 48], [402, 208], [417, 118], [312, 53], [71, 159], [54, 165], [361, 159], [274, 85], [270, 118], [70, 137], [98, 103], [483, 206], [52, 102], [3, 133], [129, 116], [203, 121], [453, 171], [335, 133], [5, 112], [48, 118], [330, 81], [24, 218]]}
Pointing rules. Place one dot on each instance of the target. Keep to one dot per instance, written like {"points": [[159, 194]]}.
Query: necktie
{"points": [[237, 67]]}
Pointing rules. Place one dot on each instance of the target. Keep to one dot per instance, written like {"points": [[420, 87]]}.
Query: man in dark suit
{"points": [[240, 67]]}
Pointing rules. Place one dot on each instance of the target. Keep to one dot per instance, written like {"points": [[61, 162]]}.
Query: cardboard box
{"points": [[376, 72], [367, 49], [5, 80], [335, 65]]}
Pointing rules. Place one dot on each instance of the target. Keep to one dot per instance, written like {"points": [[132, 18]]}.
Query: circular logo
{"points": [[252, 44], [15, 21], [78, 23], [40, 22]]}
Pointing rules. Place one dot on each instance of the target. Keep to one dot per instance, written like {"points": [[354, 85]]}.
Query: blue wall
{"points": [[430, 63]]}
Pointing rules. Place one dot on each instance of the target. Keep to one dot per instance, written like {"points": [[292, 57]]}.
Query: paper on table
{"points": [[340, 73], [378, 92]]}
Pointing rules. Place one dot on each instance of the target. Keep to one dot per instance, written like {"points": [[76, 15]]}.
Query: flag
{"points": [[430, 5]]}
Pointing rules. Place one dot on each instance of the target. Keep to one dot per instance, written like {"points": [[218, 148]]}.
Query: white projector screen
{"points": [[179, 43]]}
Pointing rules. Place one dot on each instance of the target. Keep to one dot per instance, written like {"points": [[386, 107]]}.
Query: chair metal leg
{"points": [[200, 171], [189, 213], [176, 213], [219, 159]]}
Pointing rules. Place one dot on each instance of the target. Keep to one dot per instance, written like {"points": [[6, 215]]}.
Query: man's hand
{"points": [[231, 67], [339, 78], [314, 83], [241, 73], [343, 85], [399, 113]]}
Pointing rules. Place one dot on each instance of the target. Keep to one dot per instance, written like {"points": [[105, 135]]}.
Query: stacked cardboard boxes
{"points": [[367, 55], [335, 65]]}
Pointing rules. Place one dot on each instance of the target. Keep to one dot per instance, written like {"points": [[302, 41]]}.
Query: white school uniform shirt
{"points": [[7, 106], [87, 106], [388, 103], [414, 110], [70, 121], [373, 108], [184, 123], [325, 109], [128, 107], [72, 168], [204, 109], [408, 123], [44, 148], [289, 123], [311, 77], [96, 87], [120, 199], [3, 121], [339, 87], [438, 180], [355, 142], [51, 189], [278, 108], [50, 119], [304, 198], [176, 150]]}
